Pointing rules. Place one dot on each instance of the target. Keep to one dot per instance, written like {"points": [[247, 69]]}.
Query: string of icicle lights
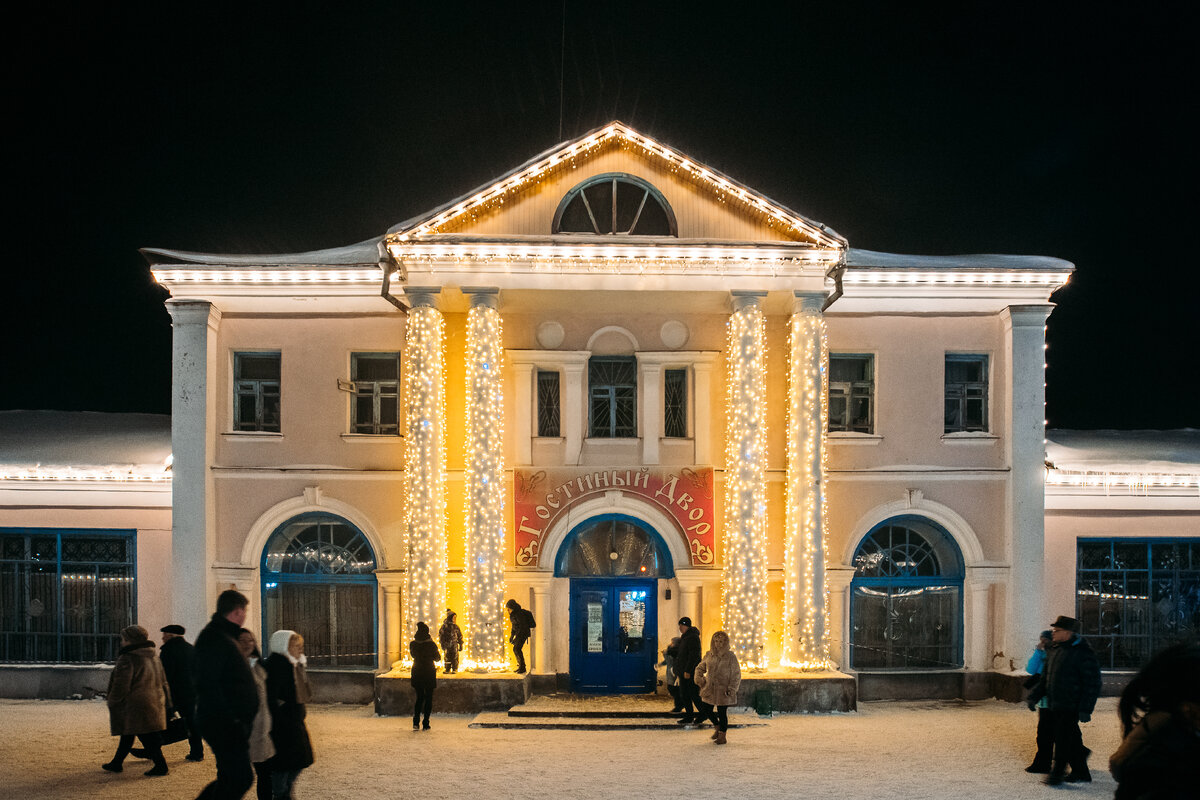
{"points": [[745, 584], [484, 511], [805, 636], [425, 458]]}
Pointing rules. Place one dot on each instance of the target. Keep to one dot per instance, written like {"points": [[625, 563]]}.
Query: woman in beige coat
{"points": [[719, 675], [261, 748], [137, 700]]}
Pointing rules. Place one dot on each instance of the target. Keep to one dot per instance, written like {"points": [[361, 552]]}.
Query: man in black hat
{"points": [[1070, 683], [687, 658], [178, 658]]}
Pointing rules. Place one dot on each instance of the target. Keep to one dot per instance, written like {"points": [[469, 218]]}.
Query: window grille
{"points": [[966, 393], [615, 203], [548, 403], [590, 551], [851, 393], [1133, 597], [376, 378], [65, 595], [256, 391], [612, 381], [675, 404]]}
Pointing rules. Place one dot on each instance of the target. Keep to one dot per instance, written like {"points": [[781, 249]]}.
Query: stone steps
{"points": [[597, 712]]}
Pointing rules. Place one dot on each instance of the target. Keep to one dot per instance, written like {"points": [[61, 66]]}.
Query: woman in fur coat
{"points": [[261, 748], [719, 675], [287, 694], [138, 700]]}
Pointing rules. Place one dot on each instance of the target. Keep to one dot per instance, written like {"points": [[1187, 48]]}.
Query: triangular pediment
{"points": [[707, 204]]}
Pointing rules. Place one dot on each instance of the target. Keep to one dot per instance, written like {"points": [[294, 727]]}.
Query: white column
{"points": [[690, 583], [572, 412], [1025, 329], [425, 459], [484, 481], [746, 482], [702, 409], [543, 612], [523, 413], [652, 410], [391, 645], [805, 642], [837, 580], [194, 325]]}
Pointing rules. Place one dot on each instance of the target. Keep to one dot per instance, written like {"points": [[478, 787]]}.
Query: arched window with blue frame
{"points": [[318, 579], [906, 606], [614, 546]]}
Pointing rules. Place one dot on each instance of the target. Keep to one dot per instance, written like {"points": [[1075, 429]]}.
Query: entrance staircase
{"points": [[599, 713]]}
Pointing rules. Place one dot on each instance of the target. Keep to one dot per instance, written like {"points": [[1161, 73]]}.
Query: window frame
{"points": [[610, 390], [683, 406], [615, 177], [376, 428], [542, 411], [256, 388], [964, 398], [853, 394]]}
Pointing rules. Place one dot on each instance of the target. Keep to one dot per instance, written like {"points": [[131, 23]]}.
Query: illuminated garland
{"points": [[805, 640], [484, 474], [425, 457], [745, 584]]}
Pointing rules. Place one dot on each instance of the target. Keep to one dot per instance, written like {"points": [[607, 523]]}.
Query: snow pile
{"points": [[84, 439], [1125, 452]]}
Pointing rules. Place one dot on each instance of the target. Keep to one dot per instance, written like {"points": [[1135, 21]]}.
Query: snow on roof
{"points": [[1125, 452], [361, 253], [84, 439], [871, 259]]}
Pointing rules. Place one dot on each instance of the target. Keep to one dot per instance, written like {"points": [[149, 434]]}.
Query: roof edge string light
{"points": [[863, 277], [1134, 483]]}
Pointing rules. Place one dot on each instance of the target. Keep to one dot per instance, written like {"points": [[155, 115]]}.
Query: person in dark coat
{"points": [[1070, 683], [226, 697], [451, 638], [686, 660], [137, 700], [521, 623], [1159, 756], [178, 658], [1045, 727], [288, 694], [424, 674]]}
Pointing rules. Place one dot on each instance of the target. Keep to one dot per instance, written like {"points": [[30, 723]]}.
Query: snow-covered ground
{"points": [[903, 750]]}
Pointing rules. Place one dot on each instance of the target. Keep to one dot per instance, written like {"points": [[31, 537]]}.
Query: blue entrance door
{"points": [[614, 645]]}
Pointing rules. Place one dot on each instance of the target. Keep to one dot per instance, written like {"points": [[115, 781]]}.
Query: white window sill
{"points": [[254, 436], [853, 437], [604, 440], [359, 438], [970, 437], [675, 440], [548, 440]]}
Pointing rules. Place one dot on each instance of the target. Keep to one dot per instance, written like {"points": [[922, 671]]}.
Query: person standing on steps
{"points": [[451, 639], [522, 623], [686, 660], [424, 674], [137, 700], [1070, 683]]}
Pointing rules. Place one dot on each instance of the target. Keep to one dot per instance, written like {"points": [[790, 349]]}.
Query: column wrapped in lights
{"points": [[484, 512], [425, 459], [805, 638], [745, 584]]}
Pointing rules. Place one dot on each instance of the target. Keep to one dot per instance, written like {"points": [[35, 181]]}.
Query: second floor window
{"points": [[966, 392], [675, 403], [256, 392], [851, 392], [376, 378], [547, 403], [612, 394]]}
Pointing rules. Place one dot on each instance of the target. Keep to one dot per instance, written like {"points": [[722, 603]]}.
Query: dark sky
{"points": [[1061, 129]]}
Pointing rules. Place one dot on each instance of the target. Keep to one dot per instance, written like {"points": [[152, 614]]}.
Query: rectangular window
{"points": [[548, 403], [612, 385], [1133, 597], [675, 403], [851, 392], [966, 393], [256, 391], [376, 378], [65, 595]]}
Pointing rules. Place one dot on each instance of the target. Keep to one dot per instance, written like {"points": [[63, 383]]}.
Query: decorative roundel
{"points": [[674, 334], [550, 335]]}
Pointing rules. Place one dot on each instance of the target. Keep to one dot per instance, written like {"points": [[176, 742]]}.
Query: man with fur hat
{"points": [[1070, 682], [178, 659]]}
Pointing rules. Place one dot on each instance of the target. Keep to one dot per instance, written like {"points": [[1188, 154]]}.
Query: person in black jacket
{"points": [[1070, 682], [424, 674], [686, 660], [178, 658], [226, 697], [288, 695], [521, 622]]}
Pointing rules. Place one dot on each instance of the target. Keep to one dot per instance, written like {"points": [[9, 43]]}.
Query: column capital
{"points": [[807, 302], [746, 299], [193, 312], [1027, 316], [486, 296], [422, 296]]}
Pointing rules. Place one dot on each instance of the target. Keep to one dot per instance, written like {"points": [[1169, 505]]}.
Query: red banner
{"points": [[541, 496]]}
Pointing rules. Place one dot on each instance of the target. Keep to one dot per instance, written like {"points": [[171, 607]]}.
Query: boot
{"points": [[138, 752], [1039, 767], [111, 766], [720, 737], [158, 769], [715, 735], [416, 723]]}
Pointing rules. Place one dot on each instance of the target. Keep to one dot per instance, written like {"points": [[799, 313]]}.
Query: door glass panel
{"points": [[632, 604], [595, 627]]}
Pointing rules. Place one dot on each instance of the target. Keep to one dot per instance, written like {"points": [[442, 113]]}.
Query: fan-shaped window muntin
{"points": [[318, 545], [906, 598], [615, 203], [588, 550]]}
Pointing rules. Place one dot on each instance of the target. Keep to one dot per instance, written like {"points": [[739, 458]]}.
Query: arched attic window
{"points": [[615, 203]]}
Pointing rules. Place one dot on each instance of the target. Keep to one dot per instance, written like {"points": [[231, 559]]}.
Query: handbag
{"points": [[177, 729]]}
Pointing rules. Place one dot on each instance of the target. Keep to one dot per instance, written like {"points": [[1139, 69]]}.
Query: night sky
{"points": [[1059, 129]]}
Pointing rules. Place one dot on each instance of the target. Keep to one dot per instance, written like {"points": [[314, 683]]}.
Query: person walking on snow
{"points": [[1045, 727], [178, 658], [522, 623], [424, 674], [718, 677], [451, 638], [261, 748], [288, 695], [686, 661], [137, 700], [1070, 683]]}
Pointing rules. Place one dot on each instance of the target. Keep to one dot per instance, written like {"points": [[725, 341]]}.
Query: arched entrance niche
{"points": [[617, 503]]}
